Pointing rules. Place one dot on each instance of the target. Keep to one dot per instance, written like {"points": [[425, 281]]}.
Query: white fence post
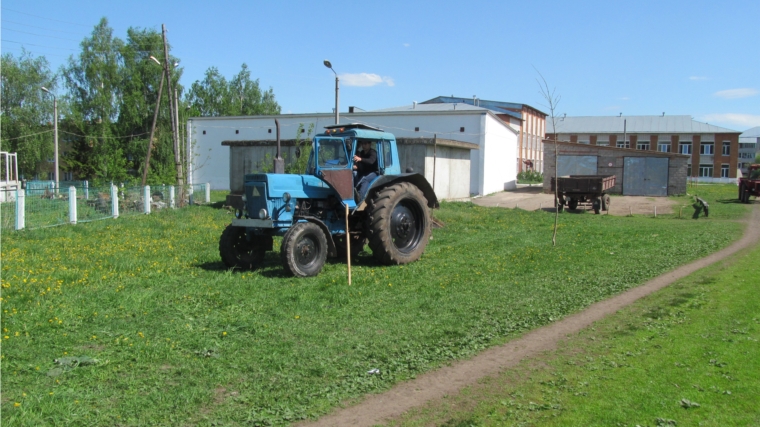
{"points": [[86, 190], [146, 198], [115, 201], [73, 204], [20, 208], [171, 197], [208, 192]]}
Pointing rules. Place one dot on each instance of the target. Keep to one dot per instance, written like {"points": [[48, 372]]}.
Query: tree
{"points": [[241, 96], [94, 82], [552, 99], [26, 115]]}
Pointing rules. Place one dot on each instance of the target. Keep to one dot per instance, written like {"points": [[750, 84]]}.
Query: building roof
{"points": [[499, 107], [751, 133], [430, 107], [633, 124]]}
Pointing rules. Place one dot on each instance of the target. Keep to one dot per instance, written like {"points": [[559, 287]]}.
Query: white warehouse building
{"points": [[492, 165]]}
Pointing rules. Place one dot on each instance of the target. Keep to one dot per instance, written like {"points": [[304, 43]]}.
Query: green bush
{"points": [[530, 177]]}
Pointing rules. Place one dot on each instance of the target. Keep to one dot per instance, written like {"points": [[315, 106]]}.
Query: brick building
{"points": [[713, 150]]}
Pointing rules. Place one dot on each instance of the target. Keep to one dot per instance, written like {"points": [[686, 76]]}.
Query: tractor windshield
{"points": [[331, 153]]}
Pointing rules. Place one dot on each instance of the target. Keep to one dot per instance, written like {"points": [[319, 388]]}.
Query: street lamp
{"points": [[337, 114], [55, 132]]}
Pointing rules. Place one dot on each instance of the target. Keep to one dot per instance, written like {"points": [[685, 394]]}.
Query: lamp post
{"points": [[337, 114], [55, 132]]}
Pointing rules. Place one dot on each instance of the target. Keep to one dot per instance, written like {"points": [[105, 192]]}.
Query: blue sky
{"points": [[695, 58]]}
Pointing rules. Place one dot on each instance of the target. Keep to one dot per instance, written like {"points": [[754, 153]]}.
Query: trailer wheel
{"points": [[399, 224], [237, 251], [597, 205], [304, 249], [606, 202], [572, 204]]}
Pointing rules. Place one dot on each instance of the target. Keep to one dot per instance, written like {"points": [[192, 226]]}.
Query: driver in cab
{"points": [[365, 165]]}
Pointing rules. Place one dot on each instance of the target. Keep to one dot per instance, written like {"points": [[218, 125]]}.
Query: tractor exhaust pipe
{"points": [[279, 163]]}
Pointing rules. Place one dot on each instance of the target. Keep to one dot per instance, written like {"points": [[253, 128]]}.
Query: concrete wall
{"points": [[611, 161], [211, 160]]}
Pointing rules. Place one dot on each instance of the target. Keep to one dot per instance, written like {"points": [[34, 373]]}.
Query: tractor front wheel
{"points": [[238, 251], [304, 249], [399, 224]]}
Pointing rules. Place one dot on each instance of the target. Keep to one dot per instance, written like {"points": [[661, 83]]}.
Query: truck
{"points": [[320, 213], [750, 186]]}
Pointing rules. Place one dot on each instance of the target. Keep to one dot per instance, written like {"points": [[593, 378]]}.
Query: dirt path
{"points": [[377, 408], [533, 198]]}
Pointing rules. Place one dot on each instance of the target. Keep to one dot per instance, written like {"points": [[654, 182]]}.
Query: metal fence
{"points": [[43, 206]]}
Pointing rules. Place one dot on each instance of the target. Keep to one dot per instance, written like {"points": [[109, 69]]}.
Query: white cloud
{"points": [[744, 92], [695, 78], [407, 44], [745, 120], [365, 79]]}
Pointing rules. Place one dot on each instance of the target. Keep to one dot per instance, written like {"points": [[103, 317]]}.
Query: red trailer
{"points": [[750, 186]]}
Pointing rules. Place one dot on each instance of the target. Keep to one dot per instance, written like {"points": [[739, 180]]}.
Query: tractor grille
{"points": [[256, 193]]}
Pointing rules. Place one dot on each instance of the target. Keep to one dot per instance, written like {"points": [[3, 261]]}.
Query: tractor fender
{"points": [[414, 178], [331, 251]]}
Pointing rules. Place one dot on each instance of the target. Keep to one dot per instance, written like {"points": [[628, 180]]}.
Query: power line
{"points": [[41, 35], [40, 28], [42, 17], [27, 136]]}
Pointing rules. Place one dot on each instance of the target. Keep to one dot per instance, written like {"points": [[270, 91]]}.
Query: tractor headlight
{"points": [[286, 197], [263, 214]]}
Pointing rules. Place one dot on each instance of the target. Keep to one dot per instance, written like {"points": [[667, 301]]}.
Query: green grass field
{"points": [[167, 336], [687, 355]]}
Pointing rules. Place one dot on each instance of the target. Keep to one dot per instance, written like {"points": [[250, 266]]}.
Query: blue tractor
{"points": [[309, 211]]}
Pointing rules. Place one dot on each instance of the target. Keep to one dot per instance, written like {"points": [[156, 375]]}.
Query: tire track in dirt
{"points": [[377, 408]]}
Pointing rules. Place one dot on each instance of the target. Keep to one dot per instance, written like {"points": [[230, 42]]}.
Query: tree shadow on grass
{"points": [[729, 201]]}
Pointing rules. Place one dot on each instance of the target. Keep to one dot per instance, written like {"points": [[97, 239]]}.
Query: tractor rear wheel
{"points": [[304, 249], [399, 224], [237, 251]]}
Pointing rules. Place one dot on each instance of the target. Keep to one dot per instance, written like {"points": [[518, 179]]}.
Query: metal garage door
{"points": [[645, 176], [576, 165]]}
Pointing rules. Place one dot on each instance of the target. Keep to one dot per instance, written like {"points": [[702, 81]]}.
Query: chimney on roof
{"points": [[663, 114], [414, 105], [473, 100], [621, 115], [564, 115]]}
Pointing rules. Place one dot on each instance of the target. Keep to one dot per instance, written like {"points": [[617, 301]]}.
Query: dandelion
{"points": [[298, 317], [16, 404], [224, 333]]}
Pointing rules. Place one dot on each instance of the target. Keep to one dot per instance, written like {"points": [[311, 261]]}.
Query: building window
{"points": [[644, 146], [602, 143], [688, 170], [68, 176], [584, 142], [726, 148], [50, 160], [707, 149], [684, 147], [663, 147], [51, 176], [624, 144], [724, 170], [749, 145], [706, 170]]}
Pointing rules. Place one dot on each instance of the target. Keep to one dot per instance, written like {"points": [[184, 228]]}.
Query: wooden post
{"points": [[348, 248]]}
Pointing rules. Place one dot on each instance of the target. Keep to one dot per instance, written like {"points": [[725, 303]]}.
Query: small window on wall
{"points": [[626, 144], [707, 149], [51, 176], [602, 143], [706, 170], [726, 148], [688, 170], [663, 148], [644, 146], [724, 171], [584, 142], [684, 148]]}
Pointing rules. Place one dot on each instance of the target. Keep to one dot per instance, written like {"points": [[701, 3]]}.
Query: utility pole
{"points": [[153, 127], [173, 112], [55, 133]]}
